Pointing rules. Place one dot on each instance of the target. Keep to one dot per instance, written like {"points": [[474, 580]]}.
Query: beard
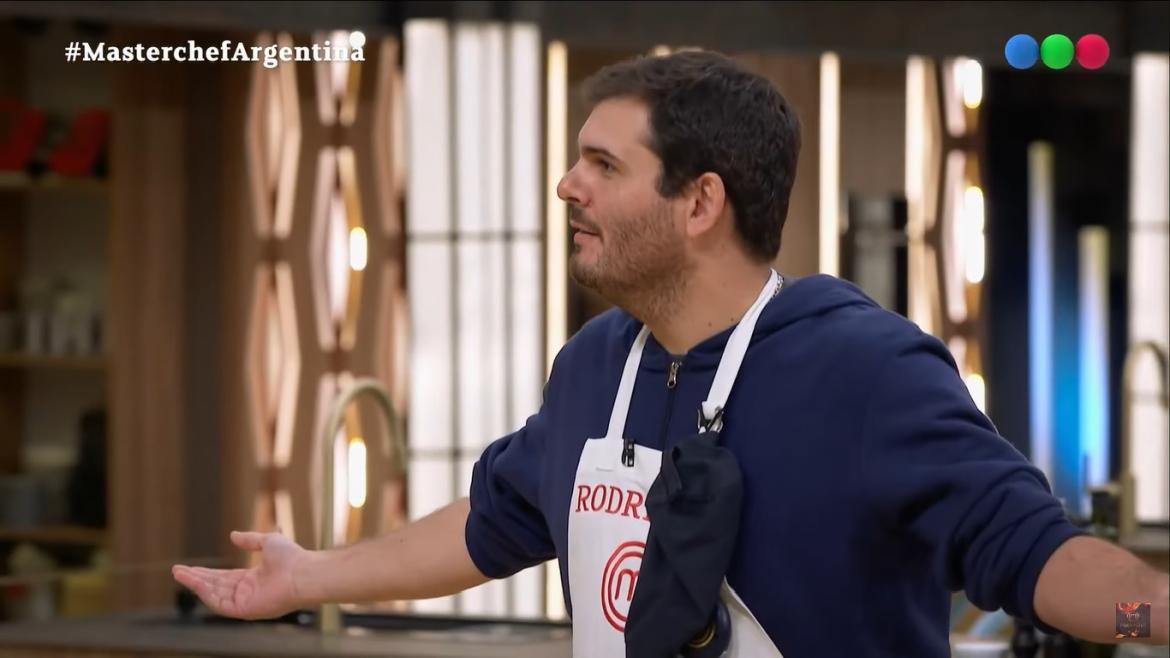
{"points": [[641, 265]]}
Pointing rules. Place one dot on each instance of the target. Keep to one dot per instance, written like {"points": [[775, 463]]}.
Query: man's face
{"points": [[626, 237]]}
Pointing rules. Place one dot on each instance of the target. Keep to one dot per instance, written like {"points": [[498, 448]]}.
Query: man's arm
{"points": [[425, 559], [935, 468], [453, 549], [1084, 580]]}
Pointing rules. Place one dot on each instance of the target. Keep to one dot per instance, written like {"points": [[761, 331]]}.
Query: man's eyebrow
{"points": [[588, 149]]}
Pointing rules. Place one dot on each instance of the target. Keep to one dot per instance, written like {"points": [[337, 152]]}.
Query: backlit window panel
{"points": [[474, 243], [1149, 280]]}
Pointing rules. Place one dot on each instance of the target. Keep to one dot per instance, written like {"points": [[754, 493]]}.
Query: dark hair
{"points": [[707, 113]]}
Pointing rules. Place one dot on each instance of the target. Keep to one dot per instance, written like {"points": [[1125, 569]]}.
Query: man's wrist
{"points": [[304, 590]]}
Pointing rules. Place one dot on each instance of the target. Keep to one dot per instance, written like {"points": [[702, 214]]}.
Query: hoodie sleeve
{"points": [[938, 471], [506, 530]]}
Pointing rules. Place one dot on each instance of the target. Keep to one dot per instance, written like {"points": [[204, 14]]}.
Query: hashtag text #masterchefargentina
{"points": [[227, 51]]}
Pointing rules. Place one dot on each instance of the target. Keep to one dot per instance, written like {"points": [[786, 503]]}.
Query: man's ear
{"points": [[708, 201]]}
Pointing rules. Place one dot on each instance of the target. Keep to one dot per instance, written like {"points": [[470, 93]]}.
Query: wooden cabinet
{"points": [[54, 293], [146, 239]]}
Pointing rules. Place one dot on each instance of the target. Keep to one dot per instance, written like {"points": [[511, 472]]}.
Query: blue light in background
{"points": [[1067, 450]]}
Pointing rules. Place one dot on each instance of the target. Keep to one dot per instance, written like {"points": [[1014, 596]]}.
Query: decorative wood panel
{"points": [[322, 182]]}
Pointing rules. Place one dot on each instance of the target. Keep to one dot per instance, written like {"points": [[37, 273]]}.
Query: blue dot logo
{"points": [[1022, 51]]}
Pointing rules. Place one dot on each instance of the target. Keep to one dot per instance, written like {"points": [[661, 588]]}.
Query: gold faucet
{"points": [[1127, 514], [329, 614]]}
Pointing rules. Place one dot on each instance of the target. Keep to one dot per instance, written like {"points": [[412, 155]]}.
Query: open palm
{"points": [[264, 591]]}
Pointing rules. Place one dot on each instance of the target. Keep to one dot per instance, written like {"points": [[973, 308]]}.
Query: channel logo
{"points": [[1057, 51]]}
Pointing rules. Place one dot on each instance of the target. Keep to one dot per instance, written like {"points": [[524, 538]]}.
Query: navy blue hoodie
{"points": [[873, 485]]}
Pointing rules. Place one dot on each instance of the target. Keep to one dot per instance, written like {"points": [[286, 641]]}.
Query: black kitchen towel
{"points": [[694, 506]]}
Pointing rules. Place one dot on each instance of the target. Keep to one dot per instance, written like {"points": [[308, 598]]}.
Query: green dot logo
{"points": [[1056, 51]]}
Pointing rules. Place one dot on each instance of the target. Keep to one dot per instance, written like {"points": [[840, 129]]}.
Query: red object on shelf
{"points": [[20, 131], [87, 139]]}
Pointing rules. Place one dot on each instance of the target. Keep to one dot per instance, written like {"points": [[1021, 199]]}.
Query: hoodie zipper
{"points": [[671, 387]]}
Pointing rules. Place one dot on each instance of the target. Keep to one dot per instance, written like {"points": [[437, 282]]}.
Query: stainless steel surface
{"points": [[329, 615], [1128, 516]]}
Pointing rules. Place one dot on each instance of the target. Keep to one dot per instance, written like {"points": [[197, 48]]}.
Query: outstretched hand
{"points": [[261, 592]]}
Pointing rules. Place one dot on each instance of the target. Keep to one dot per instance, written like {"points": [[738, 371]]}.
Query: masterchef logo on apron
{"points": [[618, 580]]}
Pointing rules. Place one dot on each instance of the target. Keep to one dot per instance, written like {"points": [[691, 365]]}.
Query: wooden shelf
{"points": [[64, 534], [18, 180], [51, 362]]}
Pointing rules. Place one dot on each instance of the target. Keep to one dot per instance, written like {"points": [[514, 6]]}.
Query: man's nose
{"points": [[569, 190]]}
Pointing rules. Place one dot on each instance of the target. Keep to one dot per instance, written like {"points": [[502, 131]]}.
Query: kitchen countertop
{"points": [[161, 631], [1149, 539]]}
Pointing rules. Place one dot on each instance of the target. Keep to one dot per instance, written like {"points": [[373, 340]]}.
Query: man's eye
{"points": [[605, 166]]}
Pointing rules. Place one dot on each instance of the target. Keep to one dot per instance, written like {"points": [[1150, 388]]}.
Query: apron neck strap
{"points": [[621, 404], [711, 411]]}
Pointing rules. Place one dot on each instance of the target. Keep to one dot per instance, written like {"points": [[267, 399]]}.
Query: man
{"points": [[872, 485]]}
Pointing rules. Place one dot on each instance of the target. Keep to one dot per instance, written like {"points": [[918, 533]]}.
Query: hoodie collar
{"points": [[799, 298]]}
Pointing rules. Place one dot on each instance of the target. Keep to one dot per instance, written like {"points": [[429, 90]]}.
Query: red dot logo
{"points": [[1092, 51], [618, 580]]}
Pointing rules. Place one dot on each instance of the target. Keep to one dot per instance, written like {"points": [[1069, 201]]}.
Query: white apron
{"points": [[608, 523]]}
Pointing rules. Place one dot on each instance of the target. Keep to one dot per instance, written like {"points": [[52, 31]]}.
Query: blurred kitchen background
{"points": [[196, 259]]}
